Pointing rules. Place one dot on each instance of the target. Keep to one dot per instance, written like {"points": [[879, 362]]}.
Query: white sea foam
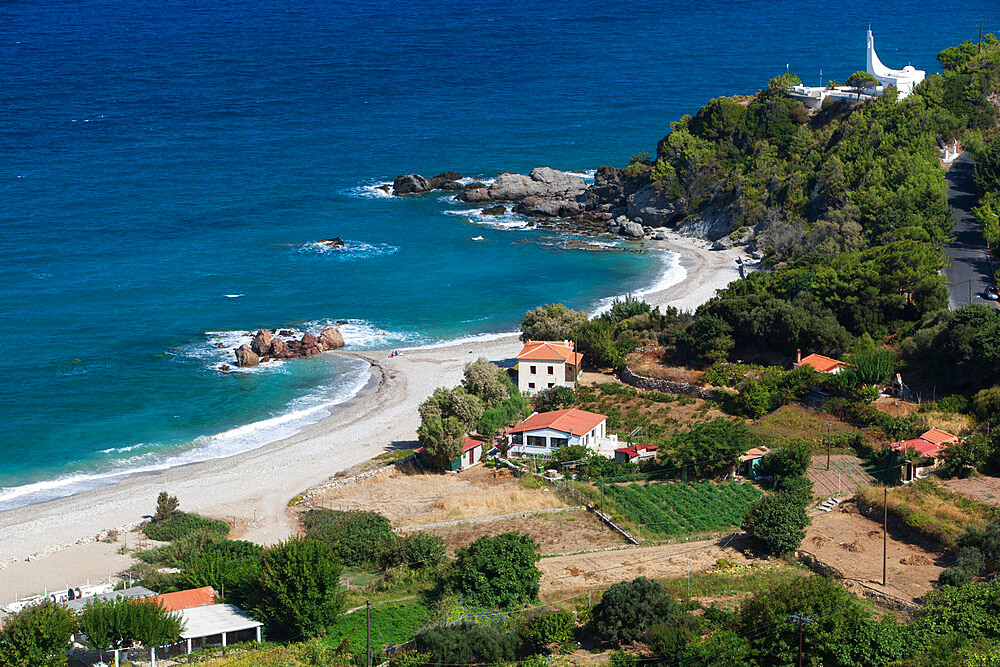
{"points": [[673, 273], [373, 190], [352, 250], [475, 338], [233, 296], [505, 221], [301, 412]]}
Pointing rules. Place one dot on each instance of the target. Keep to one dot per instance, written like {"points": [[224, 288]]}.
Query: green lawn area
{"points": [[793, 422], [678, 508], [718, 584], [392, 623]]}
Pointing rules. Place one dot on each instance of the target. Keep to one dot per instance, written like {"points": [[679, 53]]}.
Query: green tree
{"points": [[36, 636], [486, 381], [467, 643], [779, 521], [972, 611], [497, 571], [357, 538], [628, 609], [443, 439], [861, 81], [709, 337], [120, 622], [166, 505], [299, 586], [231, 567], [789, 460], [873, 366], [551, 627], [710, 449], [454, 403], [623, 309], [555, 398], [552, 322]]}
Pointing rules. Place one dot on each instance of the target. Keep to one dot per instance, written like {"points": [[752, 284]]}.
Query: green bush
{"points": [[181, 524], [299, 586], [669, 640], [230, 567], [36, 636], [497, 571], [357, 538], [117, 623], [779, 521], [467, 643], [553, 627], [628, 609]]}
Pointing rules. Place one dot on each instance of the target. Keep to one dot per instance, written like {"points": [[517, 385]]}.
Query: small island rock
{"points": [[246, 357]]}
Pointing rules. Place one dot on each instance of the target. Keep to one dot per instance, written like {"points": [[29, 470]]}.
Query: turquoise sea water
{"points": [[166, 167]]}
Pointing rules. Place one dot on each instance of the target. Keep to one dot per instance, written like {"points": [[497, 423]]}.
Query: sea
{"points": [[168, 166]]}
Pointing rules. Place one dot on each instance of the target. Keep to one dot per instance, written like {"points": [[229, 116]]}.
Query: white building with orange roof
{"points": [[820, 363], [544, 364], [543, 433]]}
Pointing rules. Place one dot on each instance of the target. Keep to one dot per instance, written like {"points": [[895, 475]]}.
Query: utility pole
{"points": [[602, 496], [801, 620], [368, 619], [885, 532], [828, 444]]}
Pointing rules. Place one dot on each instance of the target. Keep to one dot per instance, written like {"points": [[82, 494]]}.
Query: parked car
{"points": [[991, 294]]}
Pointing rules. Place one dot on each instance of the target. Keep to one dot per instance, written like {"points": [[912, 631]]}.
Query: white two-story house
{"points": [[543, 364], [543, 433]]}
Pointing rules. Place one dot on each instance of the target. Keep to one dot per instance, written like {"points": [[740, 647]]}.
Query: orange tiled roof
{"points": [[577, 422], [195, 597], [820, 363], [939, 437], [755, 453], [550, 350], [470, 444], [921, 446]]}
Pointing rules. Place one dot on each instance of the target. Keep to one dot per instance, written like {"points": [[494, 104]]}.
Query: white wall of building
{"points": [[594, 439], [542, 378]]}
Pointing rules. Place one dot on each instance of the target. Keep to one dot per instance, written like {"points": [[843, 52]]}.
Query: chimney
{"points": [[798, 355]]}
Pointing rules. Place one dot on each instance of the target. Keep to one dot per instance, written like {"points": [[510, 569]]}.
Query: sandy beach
{"points": [[52, 544]]}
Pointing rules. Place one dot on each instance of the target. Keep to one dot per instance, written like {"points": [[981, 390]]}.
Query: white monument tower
{"points": [[903, 79]]}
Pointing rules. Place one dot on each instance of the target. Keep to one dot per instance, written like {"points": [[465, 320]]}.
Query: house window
{"points": [[516, 438], [536, 441], [558, 442], [552, 370], [531, 385], [552, 384], [533, 370]]}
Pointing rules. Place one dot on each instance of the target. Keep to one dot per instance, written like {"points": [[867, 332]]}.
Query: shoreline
{"points": [[251, 489]]}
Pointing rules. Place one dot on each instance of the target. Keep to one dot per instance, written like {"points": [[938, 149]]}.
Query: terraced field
{"points": [[677, 508]]}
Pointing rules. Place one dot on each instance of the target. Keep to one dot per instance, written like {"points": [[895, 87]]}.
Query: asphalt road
{"points": [[967, 254]]}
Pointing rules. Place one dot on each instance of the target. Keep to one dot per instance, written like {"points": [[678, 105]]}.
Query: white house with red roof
{"points": [[931, 445], [635, 453], [820, 363], [545, 432], [544, 364], [472, 454]]}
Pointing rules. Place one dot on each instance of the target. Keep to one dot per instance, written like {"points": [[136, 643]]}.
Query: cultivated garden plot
{"points": [[677, 508]]}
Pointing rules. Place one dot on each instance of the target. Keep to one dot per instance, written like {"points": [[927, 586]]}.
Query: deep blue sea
{"points": [[166, 166]]}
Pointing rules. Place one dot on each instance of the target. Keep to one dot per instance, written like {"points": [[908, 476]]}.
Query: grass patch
{"points": [[671, 509], [182, 524], [658, 414], [391, 623], [717, 584], [929, 509], [395, 456], [793, 422]]}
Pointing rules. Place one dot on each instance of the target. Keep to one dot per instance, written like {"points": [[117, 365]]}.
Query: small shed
{"points": [[635, 453], [472, 454], [216, 620], [751, 462], [78, 603]]}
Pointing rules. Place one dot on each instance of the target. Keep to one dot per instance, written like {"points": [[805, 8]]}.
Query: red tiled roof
{"points": [[924, 447], [939, 437], [550, 350], [574, 421], [470, 444], [755, 453], [820, 363], [195, 597], [635, 450]]}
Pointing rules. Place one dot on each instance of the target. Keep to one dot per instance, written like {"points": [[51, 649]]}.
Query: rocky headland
{"points": [[275, 345], [616, 202]]}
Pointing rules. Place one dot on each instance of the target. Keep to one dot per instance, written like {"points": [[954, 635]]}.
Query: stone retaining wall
{"points": [[626, 375]]}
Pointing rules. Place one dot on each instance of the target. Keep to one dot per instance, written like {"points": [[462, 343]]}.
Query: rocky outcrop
{"points": [[541, 182], [549, 207], [265, 347], [652, 207], [246, 357], [411, 184], [499, 209], [335, 242]]}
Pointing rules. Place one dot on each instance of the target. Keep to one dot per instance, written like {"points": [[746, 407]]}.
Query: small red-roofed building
{"points": [[194, 597], [750, 463], [820, 364], [472, 454], [635, 453], [543, 433], [544, 364], [928, 449]]}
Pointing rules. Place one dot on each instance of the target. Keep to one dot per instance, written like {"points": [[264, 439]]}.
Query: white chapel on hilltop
{"points": [[903, 80]]}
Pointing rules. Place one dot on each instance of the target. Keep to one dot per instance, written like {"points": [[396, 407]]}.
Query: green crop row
{"points": [[674, 508]]}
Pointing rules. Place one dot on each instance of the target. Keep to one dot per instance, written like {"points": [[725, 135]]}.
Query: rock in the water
{"points": [[246, 357], [331, 338], [475, 195], [225, 368], [308, 340], [499, 209], [654, 207], [552, 207], [409, 184], [279, 349], [261, 342], [436, 182], [541, 182], [286, 332], [474, 184], [633, 229], [335, 242]]}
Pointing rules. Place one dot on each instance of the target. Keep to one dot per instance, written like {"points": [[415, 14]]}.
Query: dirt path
{"points": [[982, 488], [563, 576]]}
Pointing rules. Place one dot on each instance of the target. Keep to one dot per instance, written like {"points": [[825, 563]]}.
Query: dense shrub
{"points": [[230, 567], [552, 322], [628, 609], [181, 524], [710, 449], [36, 636], [497, 571], [553, 627], [467, 643], [356, 537], [299, 586], [779, 521]]}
